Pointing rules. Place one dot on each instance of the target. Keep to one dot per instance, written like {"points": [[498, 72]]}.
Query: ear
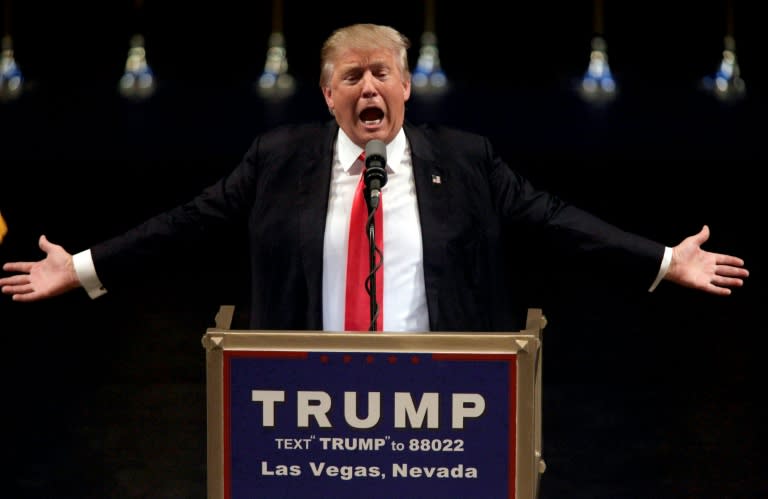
{"points": [[407, 88], [328, 94]]}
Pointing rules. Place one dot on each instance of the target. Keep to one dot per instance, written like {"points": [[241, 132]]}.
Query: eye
{"points": [[352, 76], [380, 71]]}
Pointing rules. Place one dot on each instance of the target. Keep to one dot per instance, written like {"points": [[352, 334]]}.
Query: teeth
{"points": [[371, 122]]}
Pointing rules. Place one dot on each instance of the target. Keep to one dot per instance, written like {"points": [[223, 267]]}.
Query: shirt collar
{"points": [[348, 151]]}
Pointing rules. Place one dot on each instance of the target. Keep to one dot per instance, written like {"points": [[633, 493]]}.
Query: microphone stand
{"points": [[372, 275], [375, 177]]}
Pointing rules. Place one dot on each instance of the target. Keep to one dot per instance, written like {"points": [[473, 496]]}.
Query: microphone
{"points": [[375, 171]]}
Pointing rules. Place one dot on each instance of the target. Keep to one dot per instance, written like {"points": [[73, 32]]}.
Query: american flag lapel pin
{"points": [[436, 179]]}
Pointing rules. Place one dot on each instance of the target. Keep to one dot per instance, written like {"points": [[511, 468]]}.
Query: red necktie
{"points": [[358, 301]]}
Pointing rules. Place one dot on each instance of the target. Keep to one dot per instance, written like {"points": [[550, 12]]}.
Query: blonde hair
{"points": [[364, 36]]}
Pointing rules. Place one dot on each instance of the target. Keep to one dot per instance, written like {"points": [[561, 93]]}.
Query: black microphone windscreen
{"points": [[375, 148], [375, 176]]}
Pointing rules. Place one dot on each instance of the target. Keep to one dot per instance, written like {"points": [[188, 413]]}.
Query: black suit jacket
{"points": [[473, 210]]}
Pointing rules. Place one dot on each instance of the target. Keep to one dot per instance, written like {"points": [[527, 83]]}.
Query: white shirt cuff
{"points": [[663, 269], [86, 273]]}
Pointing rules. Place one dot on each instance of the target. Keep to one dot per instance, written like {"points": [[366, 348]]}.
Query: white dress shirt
{"points": [[404, 306]]}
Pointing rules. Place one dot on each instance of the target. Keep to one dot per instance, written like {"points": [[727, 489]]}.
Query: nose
{"points": [[369, 85]]}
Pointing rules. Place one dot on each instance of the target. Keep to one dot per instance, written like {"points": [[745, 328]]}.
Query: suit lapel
{"points": [[314, 185], [434, 212]]}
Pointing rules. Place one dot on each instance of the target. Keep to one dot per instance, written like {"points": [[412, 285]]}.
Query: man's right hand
{"points": [[53, 275]]}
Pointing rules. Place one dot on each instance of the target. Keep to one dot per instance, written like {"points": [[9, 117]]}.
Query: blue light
{"points": [[11, 79], [138, 80], [727, 84], [428, 76], [598, 83], [275, 82]]}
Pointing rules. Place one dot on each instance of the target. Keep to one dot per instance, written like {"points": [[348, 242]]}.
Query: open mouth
{"points": [[371, 116]]}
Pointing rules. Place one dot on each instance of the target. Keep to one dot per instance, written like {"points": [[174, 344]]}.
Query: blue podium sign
{"points": [[370, 415], [376, 425]]}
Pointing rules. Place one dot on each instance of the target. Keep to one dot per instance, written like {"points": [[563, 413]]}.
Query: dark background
{"points": [[645, 395]]}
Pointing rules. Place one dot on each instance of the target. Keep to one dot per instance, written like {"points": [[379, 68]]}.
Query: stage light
{"points": [[138, 80], [726, 84], [11, 79], [428, 77], [275, 82], [598, 84]]}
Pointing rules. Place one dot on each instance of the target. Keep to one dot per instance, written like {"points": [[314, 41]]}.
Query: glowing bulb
{"points": [[598, 84], [275, 82], [138, 80], [11, 79], [726, 84], [428, 77]]}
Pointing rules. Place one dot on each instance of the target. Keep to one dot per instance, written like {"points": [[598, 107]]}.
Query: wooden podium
{"points": [[375, 415]]}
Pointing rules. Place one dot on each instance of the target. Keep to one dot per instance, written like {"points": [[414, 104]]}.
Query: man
{"points": [[450, 207]]}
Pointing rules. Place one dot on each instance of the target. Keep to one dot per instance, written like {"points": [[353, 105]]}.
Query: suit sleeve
{"points": [[601, 246], [162, 238]]}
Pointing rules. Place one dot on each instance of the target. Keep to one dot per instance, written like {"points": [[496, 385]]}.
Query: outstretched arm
{"points": [[696, 268], [53, 275]]}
